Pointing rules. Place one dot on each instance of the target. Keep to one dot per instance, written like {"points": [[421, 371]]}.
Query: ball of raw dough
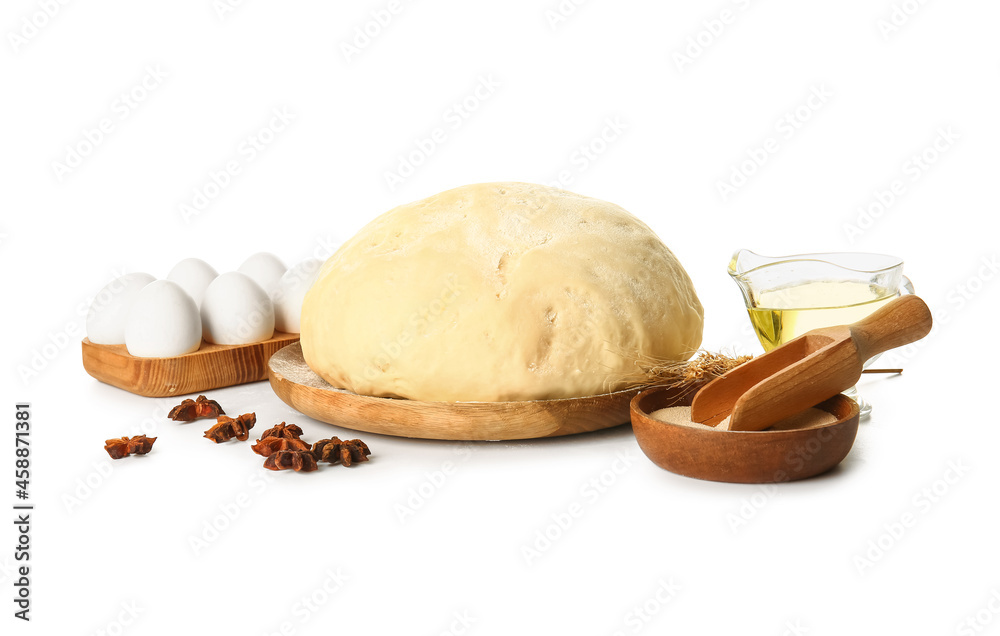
{"points": [[287, 295], [236, 311], [109, 310], [163, 322], [495, 292]]}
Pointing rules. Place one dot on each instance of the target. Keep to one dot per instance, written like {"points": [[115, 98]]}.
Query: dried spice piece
{"points": [[301, 461], [140, 445], [284, 431], [227, 428], [333, 450], [124, 446], [269, 445], [190, 410], [221, 431]]}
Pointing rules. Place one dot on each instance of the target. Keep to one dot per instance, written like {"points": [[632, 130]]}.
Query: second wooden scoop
{"points": [[809, 369]]}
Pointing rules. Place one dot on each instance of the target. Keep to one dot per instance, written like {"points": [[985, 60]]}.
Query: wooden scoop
{"points": [[809, 369]]}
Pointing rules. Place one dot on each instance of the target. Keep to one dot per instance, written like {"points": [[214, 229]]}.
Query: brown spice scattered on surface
{"points": [[124, 446], [301, 461], [284, 431], [284, 449], [333, 450], [227, 428], [190, 410], [269, 445]]}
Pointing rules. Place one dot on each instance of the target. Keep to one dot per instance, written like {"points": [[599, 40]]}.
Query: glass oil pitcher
{"points": [[787, 296]]}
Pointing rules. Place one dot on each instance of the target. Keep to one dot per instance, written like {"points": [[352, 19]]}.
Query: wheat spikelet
{"points": [[704, 366]]}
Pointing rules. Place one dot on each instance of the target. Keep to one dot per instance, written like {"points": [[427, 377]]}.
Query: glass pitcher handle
{"points": [[906, 287]]}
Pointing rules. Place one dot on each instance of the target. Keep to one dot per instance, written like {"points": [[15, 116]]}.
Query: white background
{"points": [[126, 539]]}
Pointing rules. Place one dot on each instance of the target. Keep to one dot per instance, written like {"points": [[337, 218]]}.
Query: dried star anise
{"points": [[269, 445], [124, 446], [301, 461], [190, 410], [284, 431], [227, 428], [333, 450]]}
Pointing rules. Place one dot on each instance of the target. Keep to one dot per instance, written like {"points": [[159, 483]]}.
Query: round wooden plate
{"points": [[299, 387]]}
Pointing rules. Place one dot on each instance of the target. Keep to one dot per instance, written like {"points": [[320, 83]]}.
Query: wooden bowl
{"points": [[746, 457], [301, 388]]}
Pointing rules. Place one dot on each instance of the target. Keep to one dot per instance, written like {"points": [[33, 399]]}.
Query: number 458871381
{"points": [[22, 452]]}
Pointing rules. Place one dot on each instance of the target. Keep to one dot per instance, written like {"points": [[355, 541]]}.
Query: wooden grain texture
{"points": [[299, 387], [210, 367], [811, 368], [747, 457]]}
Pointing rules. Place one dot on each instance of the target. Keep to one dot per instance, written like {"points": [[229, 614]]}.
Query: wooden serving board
{"points": [[210, 367], [299, 387]]}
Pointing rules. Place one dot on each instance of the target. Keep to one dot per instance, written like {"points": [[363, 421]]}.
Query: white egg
{"points": [[163, 322], [193, 275], [287, 295], [109, 309], [236, 310], [263, 268]]}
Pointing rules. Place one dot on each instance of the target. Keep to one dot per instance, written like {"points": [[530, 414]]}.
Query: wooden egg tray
{"points": [[210, 367]]}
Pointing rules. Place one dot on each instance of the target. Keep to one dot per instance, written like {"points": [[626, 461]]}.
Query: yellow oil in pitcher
{"points": [[781, 314]]}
